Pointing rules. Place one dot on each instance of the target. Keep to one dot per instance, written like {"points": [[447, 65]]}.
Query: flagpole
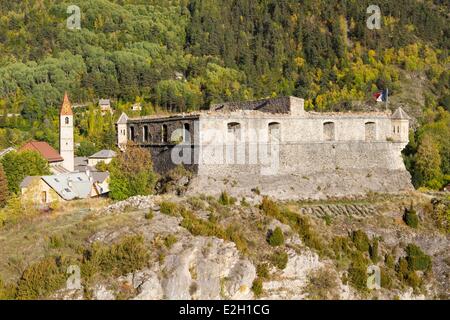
{"points": [[387, 98]]}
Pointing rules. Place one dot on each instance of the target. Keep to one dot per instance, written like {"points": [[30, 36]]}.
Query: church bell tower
{"points": [[66, 144]]}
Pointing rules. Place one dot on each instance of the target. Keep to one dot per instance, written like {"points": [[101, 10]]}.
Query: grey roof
{"points": [[27, 181], [400, 114], [58, 169], [104, 102], [103, 154], [123, 119], [99, 176], [70, 185], [80, 161]]}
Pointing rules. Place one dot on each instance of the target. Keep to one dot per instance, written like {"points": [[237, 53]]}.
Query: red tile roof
{"points": [[47, 151], [66, 108]]}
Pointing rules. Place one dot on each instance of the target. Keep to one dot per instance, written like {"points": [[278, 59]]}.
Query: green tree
{"points": [[131, 173], [4, 192], [428, 163], [18, 165]]}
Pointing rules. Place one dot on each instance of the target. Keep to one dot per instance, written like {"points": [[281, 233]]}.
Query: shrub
{"points": [[7, 292], [226, 200], [402, 269], [149, 215], [55, 241], [270, 208], [373, 251], [276, 237], [386, 278], [41, 279], [257, 287], [389, 261], [358, 271], [169, 208], [413, 279], [170, 240], [232, 233], [128, 255], [410, 218], [322, 285], [262, 270], [417, 259], [360, 240], [280, 259]]}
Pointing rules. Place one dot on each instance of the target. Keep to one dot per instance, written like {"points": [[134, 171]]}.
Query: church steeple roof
{"points": [[66, 108]]}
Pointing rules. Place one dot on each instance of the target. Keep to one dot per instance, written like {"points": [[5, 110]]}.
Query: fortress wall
{"points": [[302, 149]]}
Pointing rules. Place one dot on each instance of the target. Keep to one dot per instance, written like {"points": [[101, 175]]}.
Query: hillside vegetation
{"points": [[182, 55]]}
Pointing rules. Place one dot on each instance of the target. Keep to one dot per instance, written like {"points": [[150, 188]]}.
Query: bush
{"points": [[386, 278], [389, 261], [280, 259], [41, 279], [270, 208], [149, 215], [262, 270], [257, 287], [402, 269], [276, 238], [226, 200], [128, 255], [417, 259], [169, 208], [360, 240], [358, 271], [410, 218], [373, 251], [7, 292], [170, 240], [322, 285], [413, 279]]}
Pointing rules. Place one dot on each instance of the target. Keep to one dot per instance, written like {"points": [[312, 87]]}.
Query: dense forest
{"points": [[182, 55]]}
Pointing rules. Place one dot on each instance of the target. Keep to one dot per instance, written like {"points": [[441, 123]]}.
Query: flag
{"points": [[381, 96]]}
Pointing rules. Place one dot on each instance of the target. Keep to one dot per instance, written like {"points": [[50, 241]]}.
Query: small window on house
{"points": [[66, 189], [145, 134], [66, 120], [56, 180], [370, 131], [328, 131], [164, 134], [79, 179]]}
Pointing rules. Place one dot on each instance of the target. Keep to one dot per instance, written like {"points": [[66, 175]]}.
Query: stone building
{"points": [[257, 142]]}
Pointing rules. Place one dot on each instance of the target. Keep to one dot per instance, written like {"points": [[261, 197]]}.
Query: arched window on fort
{"points": [[164, 134], [66, 120], [370, 131], [329, 131], [234, 130], [145, 136], [186, 133], [274, 132], [132, 134]]}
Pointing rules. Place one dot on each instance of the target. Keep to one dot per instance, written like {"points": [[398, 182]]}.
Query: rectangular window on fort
{"points": [[328, 131], [370, 131], [164, 135], [145, 133]]}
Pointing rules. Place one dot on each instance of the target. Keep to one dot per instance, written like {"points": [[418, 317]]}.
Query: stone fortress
{"points": [[276, 147]]}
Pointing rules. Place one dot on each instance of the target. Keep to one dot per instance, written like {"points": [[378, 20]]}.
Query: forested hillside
{"points": [[182, 55]]}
